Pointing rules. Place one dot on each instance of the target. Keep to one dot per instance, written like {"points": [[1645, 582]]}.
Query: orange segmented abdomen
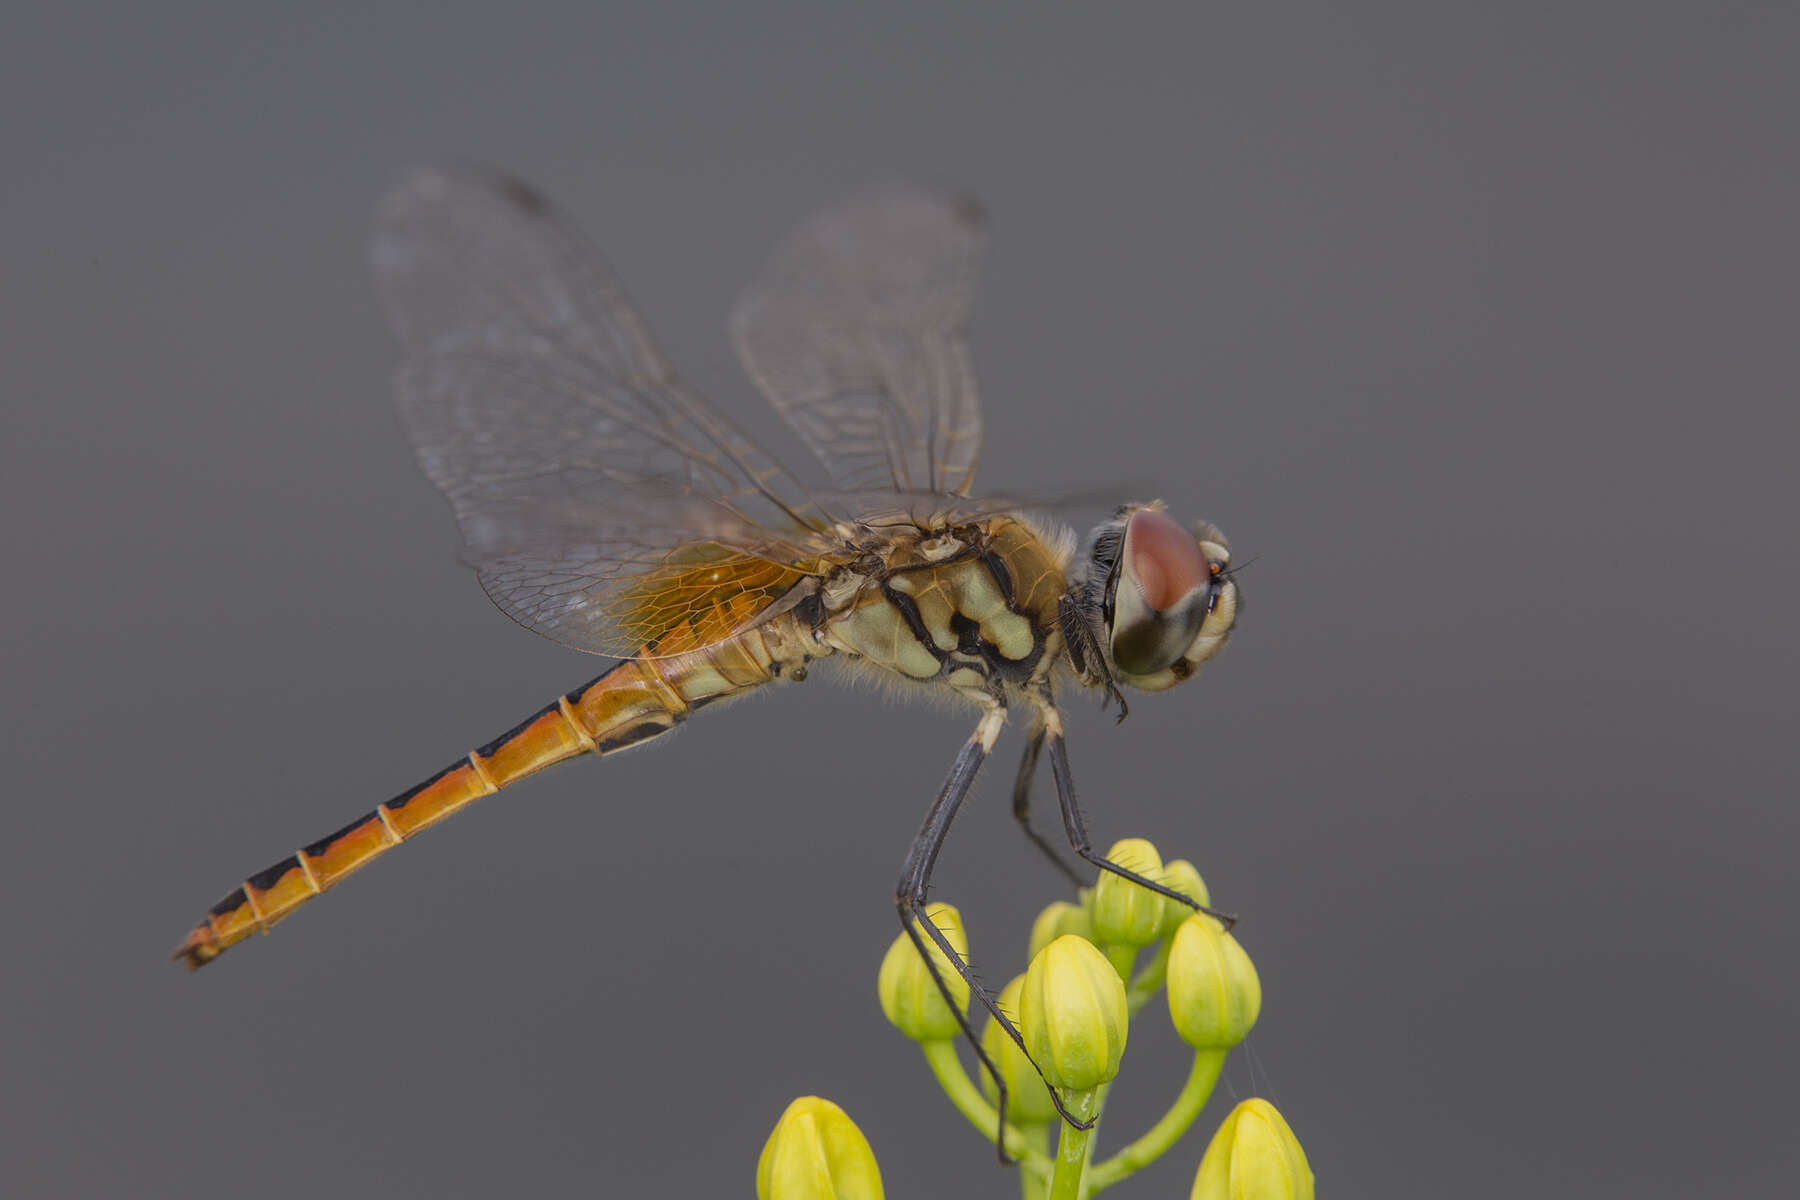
{"points": [[632, 703]]}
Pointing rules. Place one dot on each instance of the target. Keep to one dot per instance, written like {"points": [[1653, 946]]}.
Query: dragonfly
{"points": [[606, 505]]}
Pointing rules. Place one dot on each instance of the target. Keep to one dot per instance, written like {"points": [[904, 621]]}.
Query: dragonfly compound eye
{"points": [[1162, 595]]}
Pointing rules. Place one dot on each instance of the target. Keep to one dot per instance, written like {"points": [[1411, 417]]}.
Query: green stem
{"points": [[1072, 1147], [1087, 1177], [948, 1068], [1121, 957], [1166, 1132]]}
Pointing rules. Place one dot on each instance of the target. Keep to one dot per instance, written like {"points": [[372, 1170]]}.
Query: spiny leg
{"points": [[909, 897], [1076, 828], [1021, 802]]}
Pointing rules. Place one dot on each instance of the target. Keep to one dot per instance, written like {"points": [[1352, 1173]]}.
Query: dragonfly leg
{"points": [[1076, 828], [1021, 802], [909, 897]]}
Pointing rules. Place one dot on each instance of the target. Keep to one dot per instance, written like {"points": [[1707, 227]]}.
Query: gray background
{"points": [[1474, 323]]}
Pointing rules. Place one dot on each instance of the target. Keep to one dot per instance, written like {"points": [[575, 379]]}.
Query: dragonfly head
{"points": [[1161, 595]]}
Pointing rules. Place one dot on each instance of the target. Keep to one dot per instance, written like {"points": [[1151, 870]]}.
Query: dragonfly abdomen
{"points": [[634, 702]]}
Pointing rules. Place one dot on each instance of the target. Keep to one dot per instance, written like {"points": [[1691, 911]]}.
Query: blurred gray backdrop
{"points": [[1475, 324]]}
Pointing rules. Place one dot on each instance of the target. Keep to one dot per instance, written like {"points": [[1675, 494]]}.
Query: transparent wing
{"points": [[857, 331], [574, 458]]}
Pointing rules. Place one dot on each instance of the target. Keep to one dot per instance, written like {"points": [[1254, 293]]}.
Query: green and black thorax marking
{"points": [[970, 605]]}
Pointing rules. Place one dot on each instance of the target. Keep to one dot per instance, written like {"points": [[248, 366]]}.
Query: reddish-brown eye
{"points": [[1162, 558]]}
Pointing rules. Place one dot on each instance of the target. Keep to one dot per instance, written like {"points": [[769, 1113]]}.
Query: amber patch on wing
{"points": [[701, 597]]}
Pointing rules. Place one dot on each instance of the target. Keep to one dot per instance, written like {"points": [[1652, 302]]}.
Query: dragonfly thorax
{"points": [[970, 606]]}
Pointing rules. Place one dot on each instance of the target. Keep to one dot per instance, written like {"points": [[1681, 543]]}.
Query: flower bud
{"points": [[1124, 913], [1057, 919], [1214, 994], [1073, 1014], [1254, 1156], [909, 995], [1027, 1099], [817, 1153], [1182, 876]]}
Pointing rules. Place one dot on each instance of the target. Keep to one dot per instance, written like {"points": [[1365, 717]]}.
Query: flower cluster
{"points": [[1093, 967]]}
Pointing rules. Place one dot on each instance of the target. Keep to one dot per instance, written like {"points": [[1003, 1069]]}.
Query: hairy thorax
{"points": [[970, 606]]}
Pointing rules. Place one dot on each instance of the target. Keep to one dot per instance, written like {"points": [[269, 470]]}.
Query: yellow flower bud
{"points": [[909, 996], [1124, 913], [1254, 1156], [1057, 919], [1027, 1099], [1182, 876], [1214, 994], [817, 1153], [1073, 1015]]}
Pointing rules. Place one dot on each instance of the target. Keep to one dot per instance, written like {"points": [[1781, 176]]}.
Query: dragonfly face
{"points": [[1162, 595], [605, 505]]}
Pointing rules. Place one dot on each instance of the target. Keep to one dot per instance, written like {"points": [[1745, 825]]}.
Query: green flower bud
{"points": [[1073, 1015], [1254, 1156], [817, 1153], [1182, 876], [1214, 994], [909, 995], [1125, 914], [1027, 1099], [1057, 919]]}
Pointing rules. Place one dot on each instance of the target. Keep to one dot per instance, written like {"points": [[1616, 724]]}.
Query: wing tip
{"points": [[967, 208], [963, 207], [432, 183]]}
